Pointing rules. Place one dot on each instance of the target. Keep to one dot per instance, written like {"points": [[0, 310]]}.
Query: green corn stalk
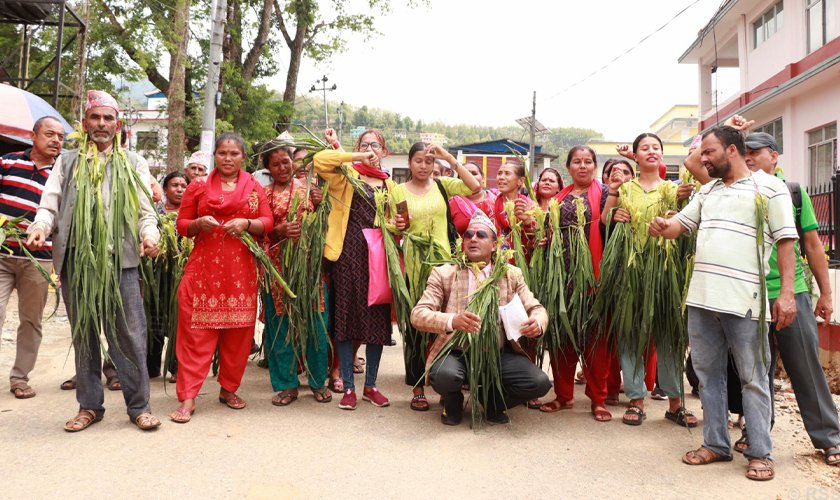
{"points": [[581, 275], [553, 290], [761, 221], [96, 242], [161, 275], [302, 267], [270, 273], [516, 240], [481, 350], [402, 298], [9, 230]]}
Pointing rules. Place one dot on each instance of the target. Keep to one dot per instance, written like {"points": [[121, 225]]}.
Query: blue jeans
{"points": [[373, 353], [668, 371], [711, 334]]}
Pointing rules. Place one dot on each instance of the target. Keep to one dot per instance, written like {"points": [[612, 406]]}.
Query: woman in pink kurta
{"points": [[217, 297]]}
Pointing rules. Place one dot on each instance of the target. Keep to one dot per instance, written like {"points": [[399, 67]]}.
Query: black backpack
{"points": [[796, 197]]}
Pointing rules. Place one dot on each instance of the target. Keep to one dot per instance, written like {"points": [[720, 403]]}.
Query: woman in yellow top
{"points": [[351, 212], [645, 195], [426, 239]]}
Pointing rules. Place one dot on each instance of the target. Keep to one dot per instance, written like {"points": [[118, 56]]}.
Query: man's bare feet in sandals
{"points": [[184, 412], [760, 469], [82, 420], [21, 390], [832, 455], [704, 456]]}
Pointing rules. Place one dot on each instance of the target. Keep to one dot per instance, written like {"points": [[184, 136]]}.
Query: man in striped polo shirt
{"points": [[726, 297], [22, 179]]}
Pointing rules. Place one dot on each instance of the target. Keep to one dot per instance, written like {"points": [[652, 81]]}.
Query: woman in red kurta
{"points": [[462, 208], [217, 298]]}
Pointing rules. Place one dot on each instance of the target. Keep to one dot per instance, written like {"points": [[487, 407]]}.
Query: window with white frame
{"points": [[822, 153], [822, 24], [768, 23], [773, 128]]}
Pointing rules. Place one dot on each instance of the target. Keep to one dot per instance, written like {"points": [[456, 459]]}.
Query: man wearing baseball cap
{"points": [[798, 343]]}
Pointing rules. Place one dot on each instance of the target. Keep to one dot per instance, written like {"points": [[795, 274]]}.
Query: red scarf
{"points": [[502, 222], [596, 246], [370, 171], [227, 203]]}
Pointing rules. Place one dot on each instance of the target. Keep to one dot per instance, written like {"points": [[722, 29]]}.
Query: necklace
{"points": [[229, 183]]}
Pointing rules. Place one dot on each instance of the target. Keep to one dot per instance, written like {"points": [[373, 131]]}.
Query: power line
{"points": [[616, 58]]}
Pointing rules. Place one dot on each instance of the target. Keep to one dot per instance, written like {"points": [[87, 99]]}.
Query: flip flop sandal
{"points": [[634, 410], [741, 444], [21, 390], [419, 403], [760, 465], [82, 420], [68, 385], [832, 456], [704, 456], [146, 422], [181, 415], [234, 402], [680, 417], [324, 394], [534, 404], [284, 398]]}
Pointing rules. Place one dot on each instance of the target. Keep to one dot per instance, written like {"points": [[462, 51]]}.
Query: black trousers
{"points": [[522, 381]]}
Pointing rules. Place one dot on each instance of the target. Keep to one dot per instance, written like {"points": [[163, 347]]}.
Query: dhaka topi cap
{"points": [[201, 158], [481, 218], [100, 98]]}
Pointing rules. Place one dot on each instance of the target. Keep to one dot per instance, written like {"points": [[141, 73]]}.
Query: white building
{"points": [[787, 54], [147, 129]]}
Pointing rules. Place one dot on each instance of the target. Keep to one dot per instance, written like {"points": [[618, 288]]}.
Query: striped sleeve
{"points": [[780, 213]]}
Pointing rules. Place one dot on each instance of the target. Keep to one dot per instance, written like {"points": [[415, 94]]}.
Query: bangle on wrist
{"points": [[613, 194], [249, 225]]}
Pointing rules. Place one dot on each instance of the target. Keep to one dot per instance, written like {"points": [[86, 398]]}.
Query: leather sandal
{"points": [[233, 402], [759, 465], [704, 456], [832, 455], [147, 422], [285, 397], [21, 390], [113, 383], [601, 414], [681, 417], [419, 403], [322, 395], [634, 410], [557, 405], [181, 415], [82, 420]]}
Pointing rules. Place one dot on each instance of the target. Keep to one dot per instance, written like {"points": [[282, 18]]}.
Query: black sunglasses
{"points": [[480, 234]]}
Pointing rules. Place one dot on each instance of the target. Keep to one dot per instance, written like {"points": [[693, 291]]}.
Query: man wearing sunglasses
{"points": [[443, 309]]}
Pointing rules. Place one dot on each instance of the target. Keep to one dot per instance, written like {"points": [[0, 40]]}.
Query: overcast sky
{"points": [[477, 62]]}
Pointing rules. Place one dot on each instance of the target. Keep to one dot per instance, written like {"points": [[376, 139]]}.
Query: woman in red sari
{"points": [[217, 298]]}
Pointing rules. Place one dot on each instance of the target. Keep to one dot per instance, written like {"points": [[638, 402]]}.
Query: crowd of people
{"points": [[540, 252]]}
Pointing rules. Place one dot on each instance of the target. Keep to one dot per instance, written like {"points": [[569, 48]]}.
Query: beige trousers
{"points": [[21, 274]]}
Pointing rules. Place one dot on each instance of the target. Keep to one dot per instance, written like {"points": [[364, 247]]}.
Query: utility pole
{"points": [[212, 96], [532, 148], [340, 119], [324, 89]]}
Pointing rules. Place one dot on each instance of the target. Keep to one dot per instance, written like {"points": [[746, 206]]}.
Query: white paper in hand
{"points": [[513, 314]]}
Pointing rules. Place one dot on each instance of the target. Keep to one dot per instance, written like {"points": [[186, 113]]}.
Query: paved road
{"points": [[314, 450]]}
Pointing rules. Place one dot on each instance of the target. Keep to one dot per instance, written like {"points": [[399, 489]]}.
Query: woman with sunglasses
{"points": [[427, 201], [347, 249]]}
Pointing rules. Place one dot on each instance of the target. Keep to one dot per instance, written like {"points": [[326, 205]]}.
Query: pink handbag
{"points": [[379, 287]]}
